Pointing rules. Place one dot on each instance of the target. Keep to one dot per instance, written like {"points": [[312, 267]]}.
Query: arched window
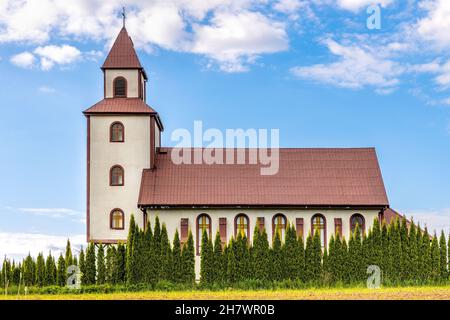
{"points": [[279, 225], [116, 132], [357, 219], [319, 224], [117, 219], [241, 225], [203, 224], [116, 176], [120, 87]]}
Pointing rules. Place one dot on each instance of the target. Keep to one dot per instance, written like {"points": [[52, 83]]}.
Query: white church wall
{"points": [[133, 155], [132, 77], [172, 219]]}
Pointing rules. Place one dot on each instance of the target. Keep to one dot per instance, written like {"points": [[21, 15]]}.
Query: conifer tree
{"points": [[277, 258], [385, 257], [177, 275], [435, 260], [109, 263], [150, 273], [90, 265], [443, 258], [300, 257], [332, 263], [426, 254], [28, 271], [413, 253], [50, 271], [206, 259], [101, 268], [165, 255], [317, 257], [119, 273], [231, 262], [68, 257], [261, 260], [61, 275], [188, 259], [290, 251], [130, 263], [15, 273], [218, 275], [345, 269], [156, 246], [82, 266], [404, 256], [40, 270]]}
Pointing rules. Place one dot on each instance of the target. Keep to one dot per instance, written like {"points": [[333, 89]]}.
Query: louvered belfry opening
{"points": [[120, 87]]}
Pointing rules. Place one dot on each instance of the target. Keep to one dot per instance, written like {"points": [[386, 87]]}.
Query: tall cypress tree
{"points": [[28, 271], [404, 256], [277, 258], [40, 270], [300, 257], [435, 260], [231, 262], [218, 274], [150, 273], [291, 253], [50, 271], [90, 265], [61, 275], [110, 258], [130, 263], [177, 275], [261, 259], [101, 268], [165, 255], [443, 258], [413, 253], [206, 255], [82, 266], [120, 264], [68, 257], [188, 259]]}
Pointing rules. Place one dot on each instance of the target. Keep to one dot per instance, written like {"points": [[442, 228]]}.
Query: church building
{"points": [[326, 190]]}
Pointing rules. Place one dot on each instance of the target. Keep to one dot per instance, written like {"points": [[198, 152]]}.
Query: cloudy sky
{"points": [[311, 68]]}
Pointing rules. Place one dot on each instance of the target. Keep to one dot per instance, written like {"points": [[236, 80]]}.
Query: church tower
{"points": [[123, 135]]}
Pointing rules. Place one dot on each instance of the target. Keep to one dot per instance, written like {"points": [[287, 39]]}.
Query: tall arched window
{"points": [[241, 225], [117, 219], [116, 176], [357, 219], [279, 225], [319, 224], [116, 132], [203, 224], [120, 87]]}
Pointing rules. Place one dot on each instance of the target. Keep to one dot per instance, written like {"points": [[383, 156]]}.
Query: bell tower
{"points": [[123, 135]]}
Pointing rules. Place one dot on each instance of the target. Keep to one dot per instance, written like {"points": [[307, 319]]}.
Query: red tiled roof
{"points": [[306, 177], [122, 54], [120, 105]]}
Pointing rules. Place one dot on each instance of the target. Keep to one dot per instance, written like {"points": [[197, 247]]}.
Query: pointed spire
{"points": [[124, 16], [122, 54]]}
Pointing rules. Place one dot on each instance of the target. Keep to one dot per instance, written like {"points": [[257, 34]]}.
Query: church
{"points": [[129, 172]]}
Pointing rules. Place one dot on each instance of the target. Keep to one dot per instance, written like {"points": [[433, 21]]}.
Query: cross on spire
{"points": [[124, 16]]}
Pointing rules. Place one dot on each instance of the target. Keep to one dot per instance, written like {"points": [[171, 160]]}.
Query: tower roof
{"points": [[122, 53]]}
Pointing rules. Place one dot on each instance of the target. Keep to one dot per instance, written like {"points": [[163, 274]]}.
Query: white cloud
{"points": [[46, 89], [179, 25], [356, 5], [18, 245], [357, 67], [435, 26], [24, 60], [234, 40], [61, 55], [441, 70], [52, 212], [434, 220]]}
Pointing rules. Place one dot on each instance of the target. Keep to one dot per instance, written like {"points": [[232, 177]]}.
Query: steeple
{"points": [[122, 54]]}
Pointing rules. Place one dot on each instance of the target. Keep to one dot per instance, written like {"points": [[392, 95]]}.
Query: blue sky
{"points": [[310, 68]]}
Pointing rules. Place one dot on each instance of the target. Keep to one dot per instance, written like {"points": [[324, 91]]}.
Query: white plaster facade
{"points": [[172, 219], [133, 155], [133, 76]]}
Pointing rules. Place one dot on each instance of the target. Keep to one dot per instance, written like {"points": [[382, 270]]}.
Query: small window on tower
{"points": [[117, 132], [120, 87], [117, 219], [116, 176]]}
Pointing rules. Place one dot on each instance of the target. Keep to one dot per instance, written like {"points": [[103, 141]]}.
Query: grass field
{"points": [[408, 293]]}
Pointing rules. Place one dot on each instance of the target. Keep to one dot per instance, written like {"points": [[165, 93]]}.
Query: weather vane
{"points": [[124, 16]]}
